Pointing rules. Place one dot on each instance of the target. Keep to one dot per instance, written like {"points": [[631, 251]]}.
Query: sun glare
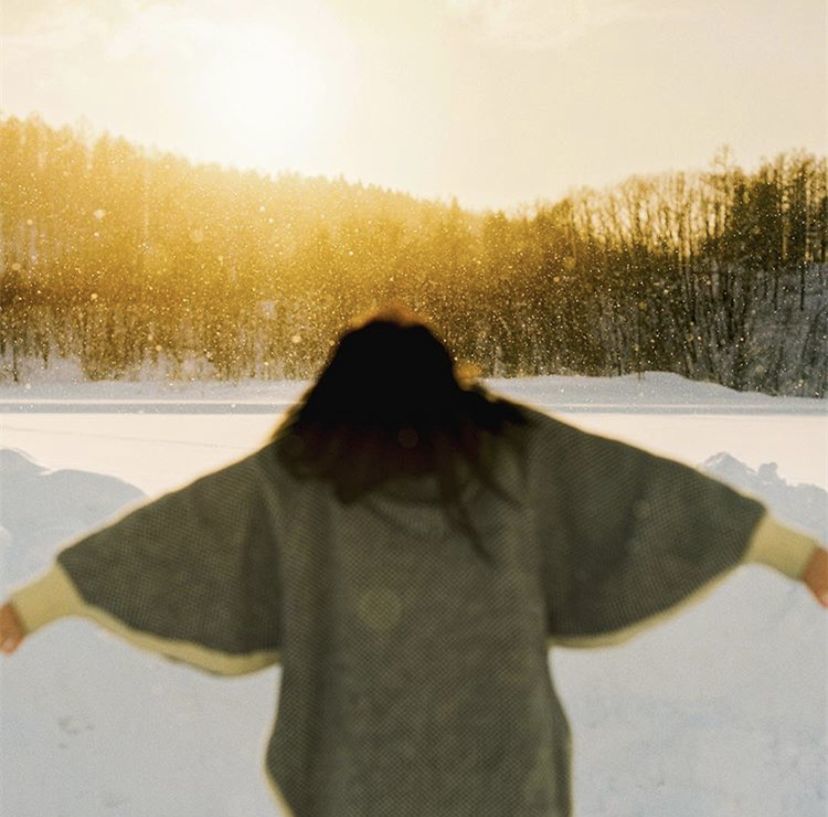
{"points": [[260, 100]]}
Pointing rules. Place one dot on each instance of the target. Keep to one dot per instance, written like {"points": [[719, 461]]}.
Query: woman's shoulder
{"points": [[539, 427], [548, 437], [236, 478]]}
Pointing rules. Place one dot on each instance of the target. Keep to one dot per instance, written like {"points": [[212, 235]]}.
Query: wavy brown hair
{"points": [[389, 403]]}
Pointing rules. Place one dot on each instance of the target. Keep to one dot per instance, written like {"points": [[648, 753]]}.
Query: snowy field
{"points": [[721, 712]]}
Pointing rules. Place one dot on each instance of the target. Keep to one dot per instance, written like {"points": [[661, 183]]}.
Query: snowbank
{"points": [[652, 391]]}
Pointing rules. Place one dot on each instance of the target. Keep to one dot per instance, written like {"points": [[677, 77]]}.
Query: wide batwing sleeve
{"points": [[192, 575], [626, 536]]}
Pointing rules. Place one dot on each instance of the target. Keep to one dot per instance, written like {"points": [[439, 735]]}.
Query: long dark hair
{"points": [[388, 403]]}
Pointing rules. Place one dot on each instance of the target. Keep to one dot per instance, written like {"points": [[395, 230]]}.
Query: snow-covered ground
{"points": [[721, 712]]}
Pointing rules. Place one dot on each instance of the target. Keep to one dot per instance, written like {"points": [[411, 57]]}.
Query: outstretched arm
{"points": [[192, 575], [628, 537], [789, 552]]}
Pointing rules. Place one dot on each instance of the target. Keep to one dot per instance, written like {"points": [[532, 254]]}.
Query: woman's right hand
{"points": [[816, 575], [12, 631]]}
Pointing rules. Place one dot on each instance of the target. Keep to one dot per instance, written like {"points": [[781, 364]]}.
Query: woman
{"points": [[408, 548]]}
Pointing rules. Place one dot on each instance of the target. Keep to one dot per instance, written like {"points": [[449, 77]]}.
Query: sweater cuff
{"points": [[781, 548], [50, 597]]}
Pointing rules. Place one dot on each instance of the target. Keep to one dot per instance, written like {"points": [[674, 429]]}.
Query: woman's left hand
{"points": [[816, 575], [12, 631]]}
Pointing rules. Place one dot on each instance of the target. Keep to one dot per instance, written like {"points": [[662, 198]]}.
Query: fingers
{"points": [[9, 644], [11, 629], [816, 576]]}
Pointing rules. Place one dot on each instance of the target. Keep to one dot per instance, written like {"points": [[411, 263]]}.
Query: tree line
{"points": [[126, 259]]}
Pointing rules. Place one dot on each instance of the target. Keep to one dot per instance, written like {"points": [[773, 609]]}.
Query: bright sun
{"points": [[260, 99]]}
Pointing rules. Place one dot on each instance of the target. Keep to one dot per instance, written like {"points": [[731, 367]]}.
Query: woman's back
{"points": [[429, 663]]}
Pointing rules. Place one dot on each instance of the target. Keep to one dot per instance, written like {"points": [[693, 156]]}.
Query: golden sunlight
{"points": [[260, 99]]}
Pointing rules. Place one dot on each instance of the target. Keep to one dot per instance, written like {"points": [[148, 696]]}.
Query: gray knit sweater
{"points": [[415, 676]]}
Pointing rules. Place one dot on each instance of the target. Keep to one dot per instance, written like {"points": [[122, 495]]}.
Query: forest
{"points": [[138, 263]]}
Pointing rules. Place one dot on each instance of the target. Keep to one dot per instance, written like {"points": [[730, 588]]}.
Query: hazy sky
{"points": [[498, 102]]}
